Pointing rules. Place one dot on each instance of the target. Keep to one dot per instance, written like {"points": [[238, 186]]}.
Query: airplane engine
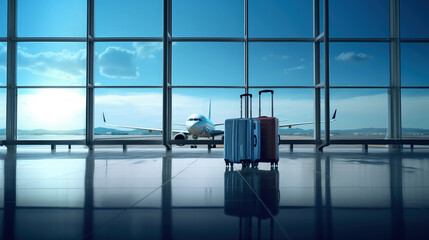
{"points": [[180, 136]]}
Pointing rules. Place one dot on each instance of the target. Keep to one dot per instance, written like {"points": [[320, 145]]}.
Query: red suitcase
{"points": [[270, 138]]}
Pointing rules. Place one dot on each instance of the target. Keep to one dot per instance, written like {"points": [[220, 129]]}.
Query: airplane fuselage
{"points": [[199, 126]]}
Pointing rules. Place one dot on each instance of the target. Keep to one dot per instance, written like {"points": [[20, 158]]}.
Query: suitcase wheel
{"points": [[246, 164]]}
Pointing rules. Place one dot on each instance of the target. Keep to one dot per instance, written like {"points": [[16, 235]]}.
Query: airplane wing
{"points": [[216, 132], [306, 123], [219, 124], [142, 128]]}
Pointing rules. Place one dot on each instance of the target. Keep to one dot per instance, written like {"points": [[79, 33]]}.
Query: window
{"points": [[128, 64], [414, 64], [50, 18], [220, 18], [290, 106], [135, 107], [128, 18], [3, 18], [53, 113], [359, 19], [359, 64], [208, 64], [51, 64], [361, 113], [414, 18], [2, 113], [415, 117], [281, 64], [3, 63], [280, 19]]}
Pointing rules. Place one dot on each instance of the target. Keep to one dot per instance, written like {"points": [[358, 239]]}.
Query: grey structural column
{"points": [[395, 128], [316, 59], [167, 68], [11, 102], [326, 62], [90, 75], [246, 56]]}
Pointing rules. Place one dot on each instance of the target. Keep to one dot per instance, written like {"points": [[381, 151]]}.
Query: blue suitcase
{"points": [[242, 139]]}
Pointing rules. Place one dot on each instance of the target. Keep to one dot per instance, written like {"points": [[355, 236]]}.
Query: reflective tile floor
{"points": [[148, 193]]}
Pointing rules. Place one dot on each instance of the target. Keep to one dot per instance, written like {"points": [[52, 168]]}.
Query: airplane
{"points": [[198, 125]]}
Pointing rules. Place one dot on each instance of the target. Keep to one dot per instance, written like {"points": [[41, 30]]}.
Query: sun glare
{"points": [[51, 109]]}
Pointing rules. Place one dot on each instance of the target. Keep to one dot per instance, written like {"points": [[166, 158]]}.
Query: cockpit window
{"points": [[195, 119]]}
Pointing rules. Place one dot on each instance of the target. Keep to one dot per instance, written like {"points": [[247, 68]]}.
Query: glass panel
{"points": [[220, 18], [2, 113], [415, 117], [321, 16], [359, 64], [291, 106], [128, 18], [128, 107], [128, 64], [281, 64], [3, 18], [225, 103], [50, 18], [51, 64], [414, 18], [60, 183], [51, 114], [414, 64], [280, 19], [322, 62], [362, 113], [3, 63], [208, 64], [359, 19]]}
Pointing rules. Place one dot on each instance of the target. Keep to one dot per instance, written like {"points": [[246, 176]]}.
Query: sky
{"points": [[211, 63]]}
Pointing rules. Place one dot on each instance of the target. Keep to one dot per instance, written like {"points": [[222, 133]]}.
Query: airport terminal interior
{"points": [[114, 119]]}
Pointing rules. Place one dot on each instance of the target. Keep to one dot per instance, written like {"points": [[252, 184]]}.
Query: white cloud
{"points": [[287, 70], [147, 50], [352, 56], [65, 65], [274, 56], [116, 62]]}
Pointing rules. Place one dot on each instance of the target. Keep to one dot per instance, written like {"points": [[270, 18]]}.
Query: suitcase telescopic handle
{"points": [[272, 101], [241, 103]]}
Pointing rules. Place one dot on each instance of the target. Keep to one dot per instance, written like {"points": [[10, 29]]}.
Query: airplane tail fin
{"points": [[104, 118], [210, 108], [335, 114]]}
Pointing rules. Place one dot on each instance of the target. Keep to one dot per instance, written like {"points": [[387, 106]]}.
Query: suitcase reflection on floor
{"points": [[245, 190]]}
